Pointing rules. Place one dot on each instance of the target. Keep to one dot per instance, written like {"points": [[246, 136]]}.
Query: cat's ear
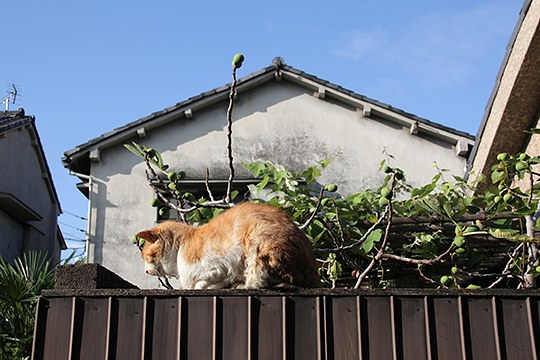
{"points": [[148, 235]]}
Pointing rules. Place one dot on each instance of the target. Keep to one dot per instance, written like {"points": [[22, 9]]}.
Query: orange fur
{"points": [[250, 246]]}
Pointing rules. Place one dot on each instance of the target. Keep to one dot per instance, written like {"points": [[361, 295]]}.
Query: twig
{"points": [[206, 182], [507, 266], [443, 219], [362, 239], [343, 254], [418, 261], [229, 136], [312, 217], [193, 206], [380, 253], [428, 279], [165, 282]]}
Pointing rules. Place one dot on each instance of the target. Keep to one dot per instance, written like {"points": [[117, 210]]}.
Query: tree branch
{"points": [[380, 253], [232, 92], [418, 261], [317, 208]]}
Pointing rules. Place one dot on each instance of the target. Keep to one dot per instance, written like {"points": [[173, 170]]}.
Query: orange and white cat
{"points": [[249, 246]]}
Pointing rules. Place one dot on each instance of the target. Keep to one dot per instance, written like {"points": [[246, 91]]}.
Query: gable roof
{"points": [[11, 120], [78, 158], [514, 103]]}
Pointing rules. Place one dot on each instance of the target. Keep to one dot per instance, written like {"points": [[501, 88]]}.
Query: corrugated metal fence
{"points": [[315, 324]]}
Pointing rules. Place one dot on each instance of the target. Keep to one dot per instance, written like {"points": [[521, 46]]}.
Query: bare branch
{"points": [[380, 253], [507, 266], [229, 136], [151, 174], [428, 279], [437, 219], [362, 239], [418, 261], [312, 217], [165, 282], [206, 182]]}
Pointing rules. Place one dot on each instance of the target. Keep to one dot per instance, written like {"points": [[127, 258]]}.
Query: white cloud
{"points": [[436, 48]]}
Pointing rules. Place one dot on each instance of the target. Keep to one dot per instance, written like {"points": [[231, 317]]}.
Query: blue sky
{"points": [[85, 68]]}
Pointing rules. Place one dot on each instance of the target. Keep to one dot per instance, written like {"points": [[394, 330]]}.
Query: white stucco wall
{"points": [[278, 121]]}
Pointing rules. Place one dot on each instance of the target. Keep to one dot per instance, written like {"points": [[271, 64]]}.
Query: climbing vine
{"points": [[448, 233]]}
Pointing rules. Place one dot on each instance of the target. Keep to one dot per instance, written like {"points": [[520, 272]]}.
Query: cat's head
{"points": [[152, 250]]}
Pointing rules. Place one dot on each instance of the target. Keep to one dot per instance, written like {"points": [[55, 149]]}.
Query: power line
{"points": [[73, 227], [75, 215], [74, 239]]}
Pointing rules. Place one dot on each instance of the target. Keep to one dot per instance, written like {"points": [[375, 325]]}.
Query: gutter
{"points": [[88, 216]]}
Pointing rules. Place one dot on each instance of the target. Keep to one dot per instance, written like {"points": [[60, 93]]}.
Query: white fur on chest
{"points": [[213, 271]]}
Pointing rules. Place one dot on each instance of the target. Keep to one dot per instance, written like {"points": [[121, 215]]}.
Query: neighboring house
{"points": [[282, 115], [29, 206], [514, 106]]}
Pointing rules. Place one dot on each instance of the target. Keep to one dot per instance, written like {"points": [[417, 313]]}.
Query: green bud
{"points": [[383, 201], [497, 199], [460, 251], [237, 61], [444, 280], [502, 156], [331, 188], [325, 201], [155, 202], [520, 166], [459, 241], [171, 175], [387, 169], [163, 211], [385, 192], [454, 269], [508, 197], [523, 156]]}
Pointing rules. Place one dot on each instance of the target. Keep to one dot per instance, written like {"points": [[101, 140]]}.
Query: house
{"points": [[282, 115], [514, 105], [29, 205]]}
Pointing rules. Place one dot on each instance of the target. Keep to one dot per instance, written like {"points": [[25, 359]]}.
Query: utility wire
{"points": [[75, 215], [71, 226]]}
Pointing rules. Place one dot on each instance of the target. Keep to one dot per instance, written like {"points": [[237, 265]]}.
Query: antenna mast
{"points": [[11, 96]]}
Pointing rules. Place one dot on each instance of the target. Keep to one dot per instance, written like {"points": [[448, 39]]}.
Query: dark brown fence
{"points": [[317, 324]]}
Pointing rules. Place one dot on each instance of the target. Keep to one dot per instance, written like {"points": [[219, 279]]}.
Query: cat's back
{"points": [[251, 212], [271, 237]]}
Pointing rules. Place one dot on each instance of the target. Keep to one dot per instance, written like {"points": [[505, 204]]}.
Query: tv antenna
{"points": [[10, 97]]}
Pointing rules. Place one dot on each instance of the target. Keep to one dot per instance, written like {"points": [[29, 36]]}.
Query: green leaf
{"points": [[263, 183], [371, 239], [497, 176]]}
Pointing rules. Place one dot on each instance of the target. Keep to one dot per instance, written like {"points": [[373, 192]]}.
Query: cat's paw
{"points": [[201, 285]]}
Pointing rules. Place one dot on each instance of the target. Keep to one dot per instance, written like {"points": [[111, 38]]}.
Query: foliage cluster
{"points": [[447, 233], [20, 286]]}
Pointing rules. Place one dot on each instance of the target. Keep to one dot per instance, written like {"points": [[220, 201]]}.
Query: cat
{"points": [[250, 246]]}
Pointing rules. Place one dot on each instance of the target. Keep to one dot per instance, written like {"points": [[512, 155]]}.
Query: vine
{"points": [[446, 233]]}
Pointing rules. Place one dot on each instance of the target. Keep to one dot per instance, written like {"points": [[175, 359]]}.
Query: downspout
{"points": [[89, 211]]}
